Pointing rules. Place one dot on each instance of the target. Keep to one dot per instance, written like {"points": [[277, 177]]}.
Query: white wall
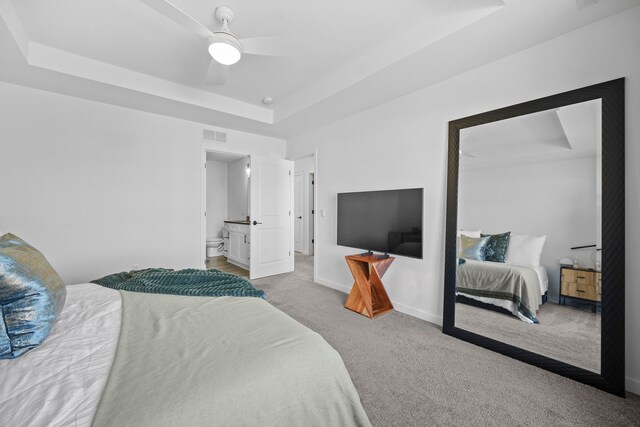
{"points": [[305, 164], [556, 199], [216, 197], [101, 189], [403, 144], [238, 202]]}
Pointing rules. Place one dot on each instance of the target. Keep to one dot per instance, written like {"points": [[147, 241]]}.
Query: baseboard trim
{"points": [[632, 385], [333, 285], [420, 314], [402, 308]]}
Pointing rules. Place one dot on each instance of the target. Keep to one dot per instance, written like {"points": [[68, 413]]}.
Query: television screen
{"points": [[382, 221]]}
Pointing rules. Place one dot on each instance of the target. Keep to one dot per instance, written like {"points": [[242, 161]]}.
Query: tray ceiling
{"points": [[360, 53]]}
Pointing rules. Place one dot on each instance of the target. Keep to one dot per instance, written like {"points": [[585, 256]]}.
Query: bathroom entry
{"points": [[249, 206], [227, 211]]}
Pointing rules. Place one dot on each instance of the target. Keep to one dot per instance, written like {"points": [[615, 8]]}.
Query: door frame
{"points": [[311, 199], [316, 178], [307, 196], [203, 195], [302, 212]]}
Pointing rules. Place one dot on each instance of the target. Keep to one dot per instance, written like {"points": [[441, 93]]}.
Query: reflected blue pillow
{"points": [[31, 297], [496, 249], [473, 247]]}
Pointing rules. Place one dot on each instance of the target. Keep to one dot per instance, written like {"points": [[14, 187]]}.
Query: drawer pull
{"points": [[582, 277], [579, 290]]}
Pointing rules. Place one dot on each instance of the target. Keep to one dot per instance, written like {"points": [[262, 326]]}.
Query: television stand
{"points": [[368, 296]]}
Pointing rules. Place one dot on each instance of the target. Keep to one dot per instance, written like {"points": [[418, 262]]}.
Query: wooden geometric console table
{"points": [[368, 296]]}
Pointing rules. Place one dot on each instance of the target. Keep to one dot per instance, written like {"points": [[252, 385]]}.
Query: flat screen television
{"points": [[388, 221]]}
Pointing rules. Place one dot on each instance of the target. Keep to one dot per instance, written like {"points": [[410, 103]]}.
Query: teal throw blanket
{"points": [[193, 282]]}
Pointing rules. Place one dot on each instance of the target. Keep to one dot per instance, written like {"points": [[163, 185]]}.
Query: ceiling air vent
{"points": [[209, 135]]}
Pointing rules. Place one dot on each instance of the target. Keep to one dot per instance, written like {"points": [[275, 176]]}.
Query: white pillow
{"points": [[525, 250]]}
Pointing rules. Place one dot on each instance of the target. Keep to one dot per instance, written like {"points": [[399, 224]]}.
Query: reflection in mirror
{"points": [[529, 232]]}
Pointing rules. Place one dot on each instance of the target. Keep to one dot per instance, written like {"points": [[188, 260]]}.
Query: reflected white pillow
{"points": [[525, 250], [475, 234]]}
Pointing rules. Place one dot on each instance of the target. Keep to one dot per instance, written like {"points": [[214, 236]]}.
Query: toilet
{"points": [[215, 246]]}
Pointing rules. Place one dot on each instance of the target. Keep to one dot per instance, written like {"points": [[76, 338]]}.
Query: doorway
{"points": [[304, 194], [246, 219], [227, 212], [304, 212]]}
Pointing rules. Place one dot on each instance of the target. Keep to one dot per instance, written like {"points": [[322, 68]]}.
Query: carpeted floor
{"points": [[410, 374], [564, 333]]}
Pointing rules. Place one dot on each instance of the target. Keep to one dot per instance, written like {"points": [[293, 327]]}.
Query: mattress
{"points": [[542, 276]]}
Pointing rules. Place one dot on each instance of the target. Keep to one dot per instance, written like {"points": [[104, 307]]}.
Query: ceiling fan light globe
{"points": [[225, 48], [224, 53]]}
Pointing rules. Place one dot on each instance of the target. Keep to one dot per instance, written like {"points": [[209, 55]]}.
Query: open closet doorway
{"points": [[304, 195]]}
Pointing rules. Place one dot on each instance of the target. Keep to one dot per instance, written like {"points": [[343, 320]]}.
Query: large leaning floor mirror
{"points": [[534, 263]]}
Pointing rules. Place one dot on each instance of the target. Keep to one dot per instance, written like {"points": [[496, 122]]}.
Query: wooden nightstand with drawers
{"points": [[580, 283]]}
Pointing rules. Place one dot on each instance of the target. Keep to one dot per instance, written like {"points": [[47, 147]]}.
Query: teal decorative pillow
{"points": [[31, 297], [496, 249], [473, 247]]}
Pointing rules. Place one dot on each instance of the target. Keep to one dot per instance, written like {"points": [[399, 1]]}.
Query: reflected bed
{"points": [[518, 289]]}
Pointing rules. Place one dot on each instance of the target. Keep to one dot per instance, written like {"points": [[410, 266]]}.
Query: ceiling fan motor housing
{"points": [[224, 13]]}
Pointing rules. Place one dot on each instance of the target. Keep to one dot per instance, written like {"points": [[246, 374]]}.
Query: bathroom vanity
{"points": [[238, 245]]}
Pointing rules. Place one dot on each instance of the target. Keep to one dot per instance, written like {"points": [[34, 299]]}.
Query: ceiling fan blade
{"points": [[216, 73], [177, 15], [274, 46]]}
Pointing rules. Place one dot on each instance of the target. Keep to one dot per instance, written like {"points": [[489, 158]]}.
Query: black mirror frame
{"points": [[612, 351]]}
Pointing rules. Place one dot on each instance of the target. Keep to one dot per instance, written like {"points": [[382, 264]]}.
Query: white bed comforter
{"points": [[60, 382]]}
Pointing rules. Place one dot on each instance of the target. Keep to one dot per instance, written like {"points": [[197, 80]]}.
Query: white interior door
{"points": [[271, 200], [298, 212]]}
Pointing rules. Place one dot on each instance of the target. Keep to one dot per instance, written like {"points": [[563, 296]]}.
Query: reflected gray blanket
{"points": [[515, 283], [223, 361]]}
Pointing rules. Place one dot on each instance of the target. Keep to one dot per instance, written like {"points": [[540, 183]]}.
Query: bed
{"points": [[518, 289], [125, 358]]}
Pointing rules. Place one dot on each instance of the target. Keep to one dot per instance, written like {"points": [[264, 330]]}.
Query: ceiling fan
{"points": [[225, 47]]}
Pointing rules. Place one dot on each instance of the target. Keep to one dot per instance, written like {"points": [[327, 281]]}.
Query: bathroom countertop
{"points": [[239, 221]]}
